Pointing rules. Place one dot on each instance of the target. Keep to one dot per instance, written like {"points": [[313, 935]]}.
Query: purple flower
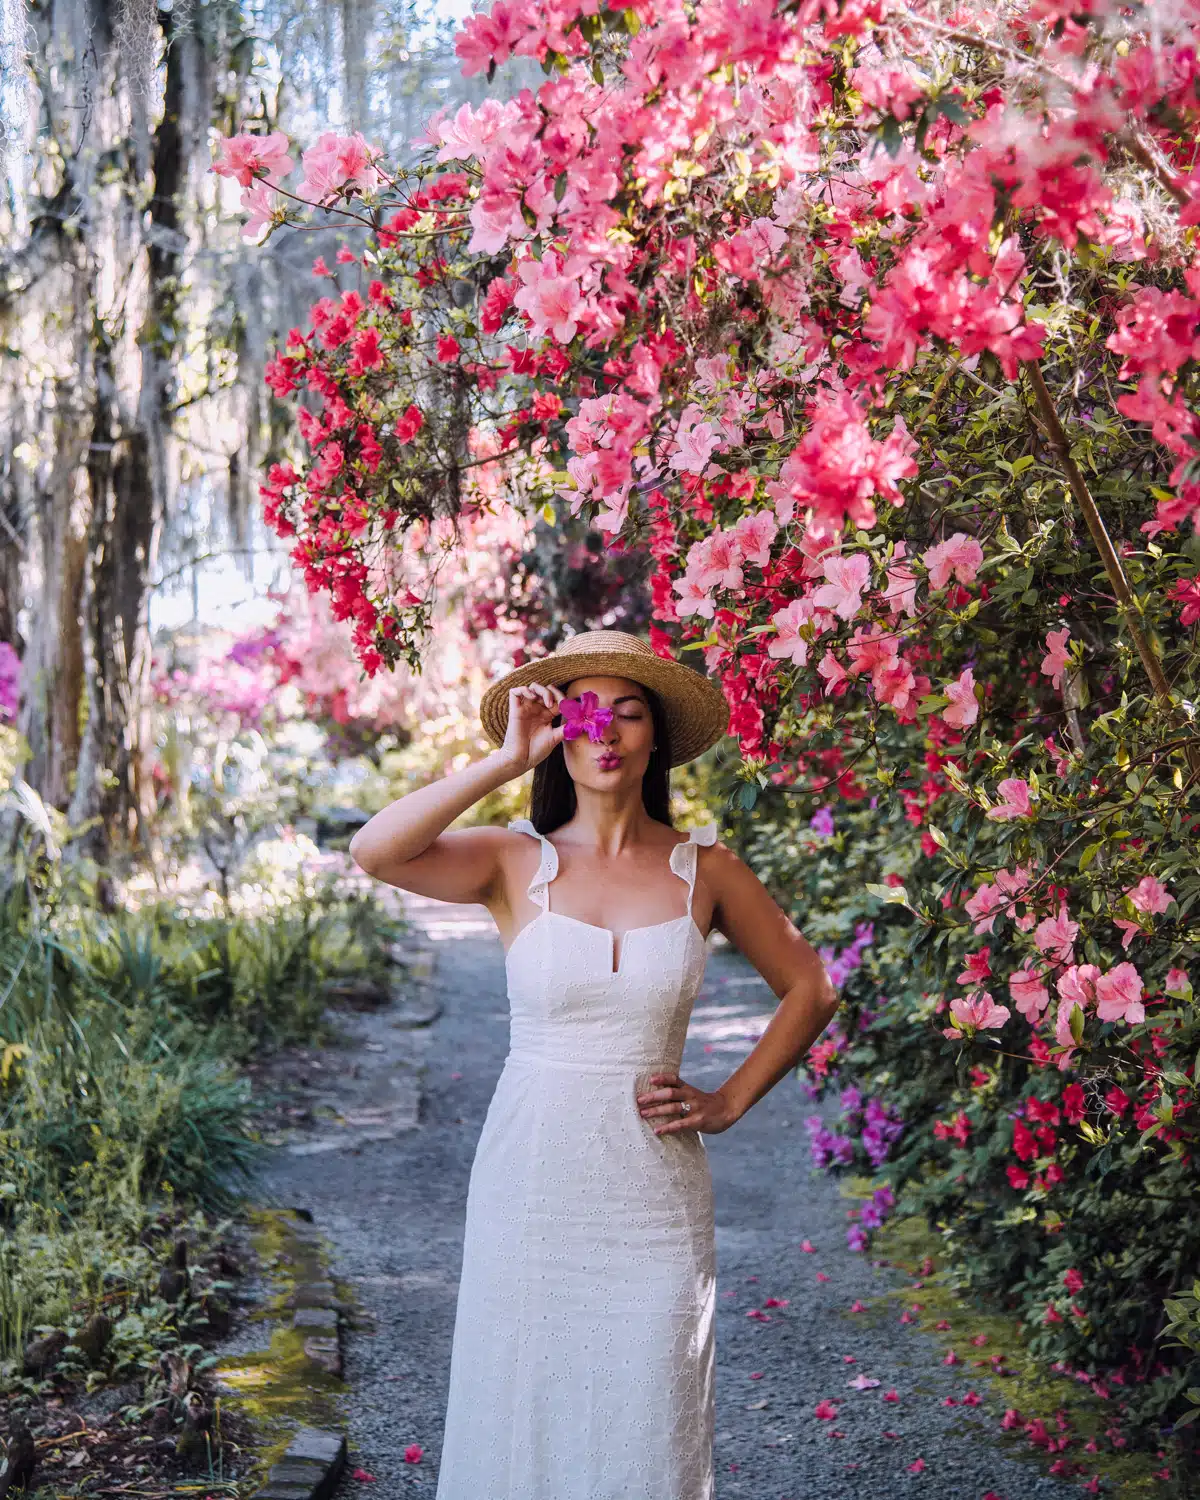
{"points": [[584, 714], [856, 1238], [821, 823]]}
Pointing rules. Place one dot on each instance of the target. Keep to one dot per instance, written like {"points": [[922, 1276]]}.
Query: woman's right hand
{"points": [[530, 737]]}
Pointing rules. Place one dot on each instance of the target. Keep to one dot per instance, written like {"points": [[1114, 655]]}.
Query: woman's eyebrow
{"points": [[628, 698]]}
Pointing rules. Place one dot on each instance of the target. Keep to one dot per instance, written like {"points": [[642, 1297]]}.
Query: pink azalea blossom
{"points": [[832, 673], [1150, 895], [963, 708], [901, 591], [847, 576], [261, 204], [336, 162], [1029, 994], [959, 556], [549, 297], [1016, 804], [975, 1012], [985, 906], [1177, 984], [756, 530], [1119, 995], [696, 441], [787, 622], [1055, 937], [247, 158], [1057, 657]]}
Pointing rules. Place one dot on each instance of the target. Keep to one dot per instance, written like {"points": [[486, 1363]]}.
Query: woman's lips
{"points": [[609, 762]]}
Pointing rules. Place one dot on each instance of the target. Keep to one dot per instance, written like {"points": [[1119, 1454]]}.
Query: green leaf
{"points": [[890, 895], [1089, 854], [560, 187]]}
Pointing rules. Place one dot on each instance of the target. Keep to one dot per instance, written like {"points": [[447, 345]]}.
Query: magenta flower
{"points": [[584, 714]]}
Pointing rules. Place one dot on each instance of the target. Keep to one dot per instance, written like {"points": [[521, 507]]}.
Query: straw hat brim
{"points": [[696, 709]]}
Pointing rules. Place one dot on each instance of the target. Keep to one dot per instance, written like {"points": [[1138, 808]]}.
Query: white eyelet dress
{"points": [[583, 1365]]}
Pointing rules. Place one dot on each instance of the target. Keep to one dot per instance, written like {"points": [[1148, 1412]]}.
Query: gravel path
{"points": [[394, 1208]]}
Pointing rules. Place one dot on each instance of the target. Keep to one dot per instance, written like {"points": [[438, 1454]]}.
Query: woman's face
{"points": [[622, 753]]}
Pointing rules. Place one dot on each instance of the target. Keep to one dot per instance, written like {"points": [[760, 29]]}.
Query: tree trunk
{"points": [[128, 480]]}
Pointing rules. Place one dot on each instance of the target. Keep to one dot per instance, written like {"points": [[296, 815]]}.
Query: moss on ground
{"points": [[280, 1388]]}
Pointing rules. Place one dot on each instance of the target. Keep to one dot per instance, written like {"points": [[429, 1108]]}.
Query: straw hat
{"points": [[696, 708]]}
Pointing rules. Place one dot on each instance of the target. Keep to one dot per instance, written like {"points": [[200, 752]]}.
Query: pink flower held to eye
{"points": [[583, 714], [1015, 792]]}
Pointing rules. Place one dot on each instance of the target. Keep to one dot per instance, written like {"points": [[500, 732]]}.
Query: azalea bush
{"points": [[878, 326]]}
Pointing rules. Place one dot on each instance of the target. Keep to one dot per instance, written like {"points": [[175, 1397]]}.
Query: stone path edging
{"points": [[310, 1468]]}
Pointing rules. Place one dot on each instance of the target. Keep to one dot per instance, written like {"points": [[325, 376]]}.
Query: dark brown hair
{"points": [[552, 799]]}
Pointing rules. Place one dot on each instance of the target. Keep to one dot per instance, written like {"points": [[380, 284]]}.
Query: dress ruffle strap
{"points": [[682, 860], [547, 867]]}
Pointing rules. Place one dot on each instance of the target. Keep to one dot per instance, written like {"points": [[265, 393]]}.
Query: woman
{"points": [[583, 1365]]}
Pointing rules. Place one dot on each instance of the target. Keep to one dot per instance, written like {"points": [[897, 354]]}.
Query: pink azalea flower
{"points": [[1055, 937], [985, 906], [901, 591], [1029, 994], [847, 576], [696, 440], [1129, 930], [261, 203], [1119, 995], [756, 530], [1015, 792], [336, 162], [549, 297], [976, 1012], [1150, 895], [960, 556], [1057, 657], [447, 348], [249, 157], [1177, 984], [825, 1410], [978, 967], [412, 1454], [1077, 984], [963, 708], [1186, 591], [789, 642], [584, 715], [833, 673]]}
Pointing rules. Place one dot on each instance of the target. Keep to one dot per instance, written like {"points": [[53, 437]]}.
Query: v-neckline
{"points": [[612, 936]]}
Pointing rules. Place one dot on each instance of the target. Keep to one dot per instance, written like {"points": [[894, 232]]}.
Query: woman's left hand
{"points": [[711, 1113]]}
